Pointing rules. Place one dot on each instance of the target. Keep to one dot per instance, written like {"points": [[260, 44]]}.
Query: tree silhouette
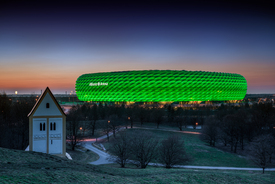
{"points": [[172, 152]]}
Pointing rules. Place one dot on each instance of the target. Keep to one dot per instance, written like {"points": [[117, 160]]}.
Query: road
{"points": [[216, 168], [87, 143], [102, 155]]}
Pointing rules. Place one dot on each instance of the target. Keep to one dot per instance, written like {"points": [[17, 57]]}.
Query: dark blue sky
{"points": [[51, 44]]}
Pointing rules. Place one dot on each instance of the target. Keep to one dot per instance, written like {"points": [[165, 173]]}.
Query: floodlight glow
{"points": [[160, 86]]}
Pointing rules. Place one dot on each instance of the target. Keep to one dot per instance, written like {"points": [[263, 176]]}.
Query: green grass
{"points": [[161, 175], [162, 126], [30, 167], [200, 153], [98, 132]]}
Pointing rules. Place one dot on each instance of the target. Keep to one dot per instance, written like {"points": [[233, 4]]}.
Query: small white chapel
{"points": [[47, 126]]}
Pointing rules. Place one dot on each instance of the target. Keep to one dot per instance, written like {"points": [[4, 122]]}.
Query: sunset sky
{"points": [[53, 44]]}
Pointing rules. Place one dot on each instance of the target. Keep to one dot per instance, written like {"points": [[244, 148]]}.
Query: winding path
{"points": [[103, 156]]}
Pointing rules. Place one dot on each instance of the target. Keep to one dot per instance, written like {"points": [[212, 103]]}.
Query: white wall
{"points": [[43, 111]]}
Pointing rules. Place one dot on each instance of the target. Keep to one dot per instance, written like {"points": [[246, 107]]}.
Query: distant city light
{"points": [[16, 92]]}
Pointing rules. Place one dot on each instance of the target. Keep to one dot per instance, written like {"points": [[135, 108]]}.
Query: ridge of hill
{"points": [[34, 167]]}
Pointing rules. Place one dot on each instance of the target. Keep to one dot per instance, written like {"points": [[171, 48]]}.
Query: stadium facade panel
{"points": [[160, 86]]}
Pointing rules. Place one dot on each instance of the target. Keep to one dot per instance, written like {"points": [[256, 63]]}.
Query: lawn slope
{"points": [[30, 167]]}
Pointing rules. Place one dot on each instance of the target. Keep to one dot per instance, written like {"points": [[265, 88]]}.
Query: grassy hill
{"points": [[18, 166], [201, 154]]}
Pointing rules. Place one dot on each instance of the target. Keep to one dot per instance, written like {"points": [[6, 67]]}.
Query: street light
{"points": [[81, 130], [126, 122]]}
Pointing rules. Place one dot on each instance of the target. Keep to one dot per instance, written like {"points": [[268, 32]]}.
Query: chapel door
{"points": [[55, 135], [39, 135]]}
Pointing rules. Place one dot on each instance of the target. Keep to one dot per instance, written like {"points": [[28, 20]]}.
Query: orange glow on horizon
{"points": [[38, 75]]}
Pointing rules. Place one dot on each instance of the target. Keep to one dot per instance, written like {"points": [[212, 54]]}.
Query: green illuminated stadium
{"points": [[160, 86]]}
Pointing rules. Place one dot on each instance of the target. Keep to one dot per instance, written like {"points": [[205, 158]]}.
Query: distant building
{"points": [[47, 126], [160, 86]]}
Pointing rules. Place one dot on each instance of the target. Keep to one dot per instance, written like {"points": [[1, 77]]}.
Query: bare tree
{"points": [[5, 107], [102, 110], [223, 137], [231, 127], [170, 114], [158, 116], [120, 149], [210, 131], [106, 128], [180, 121], [172, 152], [261, 151], [14, 123], [270, 140], [141, 114], [94, 117], [114, 123], [73, 126], [130, 112], [143, 148], [181, 118]]}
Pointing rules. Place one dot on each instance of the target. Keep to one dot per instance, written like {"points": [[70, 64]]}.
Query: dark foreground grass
{"points": [[175, 175], [200, 153], [30, 167]]}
